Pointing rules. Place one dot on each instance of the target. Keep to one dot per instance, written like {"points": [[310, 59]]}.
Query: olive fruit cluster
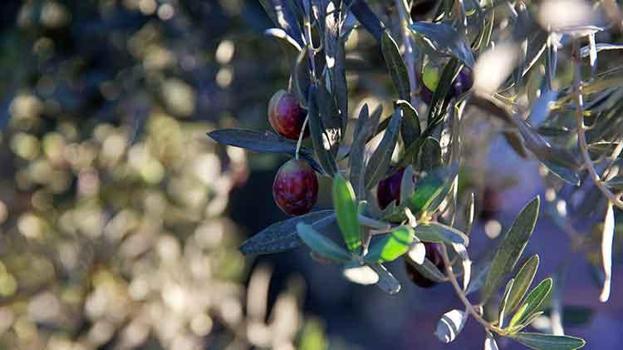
{"points": [[388, 191], [295, 189]]}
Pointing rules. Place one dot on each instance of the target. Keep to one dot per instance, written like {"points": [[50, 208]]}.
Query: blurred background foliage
{"points": [[112, 200]]}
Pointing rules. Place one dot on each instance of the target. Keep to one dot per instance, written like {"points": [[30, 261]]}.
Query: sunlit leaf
{"points": [[387, 282], [396, 66], [346, 212], [607, 237], [410, 127], [450, 325], [523, 280], [538, 341], [320, 140], [391, 246], [513, 244], [532, 303]]}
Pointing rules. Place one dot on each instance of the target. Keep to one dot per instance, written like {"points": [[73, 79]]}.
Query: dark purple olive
{"points": [[388, 189], [433, 253], [295, 189], [286, 115]]}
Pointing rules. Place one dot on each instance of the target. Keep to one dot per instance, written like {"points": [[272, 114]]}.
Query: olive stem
{"points": [[459, 292], [299, 142], [581, 130]]}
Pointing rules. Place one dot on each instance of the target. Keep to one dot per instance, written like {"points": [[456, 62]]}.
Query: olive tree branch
{"points": [[581, 129], [461, 294]]}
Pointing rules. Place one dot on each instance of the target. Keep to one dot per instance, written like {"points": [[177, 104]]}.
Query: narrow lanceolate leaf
{"points": [[321, 142], [410, 128], [321, 245], [450, 325], [503, 309], [301, 79], [533, 302], [366, 17], [431, 189], [616, 183], [345, 205], [538, 341], [407, 185], [258, 141], [523, 280], [607, 236], [513, 244], [380, 159], [282, 235], [430, 154], [440, 233], [396, 66], [387, 282], [392, 246], [366, 125], [445, 40]]}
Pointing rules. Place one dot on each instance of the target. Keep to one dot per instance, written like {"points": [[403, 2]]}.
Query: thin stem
{"points": [[405, 20], [581, 130], [299, 142], [459, 292]]}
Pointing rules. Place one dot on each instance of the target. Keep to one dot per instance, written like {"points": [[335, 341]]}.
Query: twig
{"points": [[582, 144], [459, 292]]}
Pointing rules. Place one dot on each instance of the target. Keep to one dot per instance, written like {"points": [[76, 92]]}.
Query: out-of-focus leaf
{"points": [[346, 212], [616, 183], [450, 325], [387, 282], [361, 274], [513, 244], [282, 235], [533, 302], [322, 145], [335, 57], [391, 246], [444, 39], [565, 174], [410, 127], [285, 18], [439, 233], [430, 154], [431, 189], [585, 51], [258, 141], [366, 17], [282, 35], [380, 159], [538, 341], [321, 245], [541, 107], [504, 309], [490, 343], [523, 280], [576, 315], [607, 237], [396, 66]]}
